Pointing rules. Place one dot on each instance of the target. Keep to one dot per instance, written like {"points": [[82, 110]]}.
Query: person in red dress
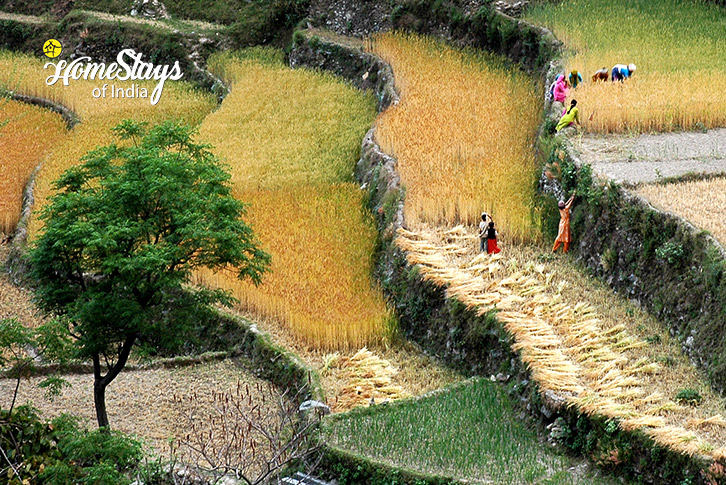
{"points": [[563, 236], [492, 239]]}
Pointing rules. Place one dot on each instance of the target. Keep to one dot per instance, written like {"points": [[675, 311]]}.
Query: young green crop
{"points": [[467, 431]]}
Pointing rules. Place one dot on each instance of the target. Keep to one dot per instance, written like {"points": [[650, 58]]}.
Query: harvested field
{"points": [[701, 202], [140, 402], [352, 378], [16, 302], [598, 353], [634, 159]]}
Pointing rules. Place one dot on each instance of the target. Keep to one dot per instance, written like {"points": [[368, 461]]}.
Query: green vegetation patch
{"points": [[467, 431]]}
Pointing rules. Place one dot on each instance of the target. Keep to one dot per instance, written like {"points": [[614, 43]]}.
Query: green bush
{"points": [[671, 252], [62, 453], [689, 396]]}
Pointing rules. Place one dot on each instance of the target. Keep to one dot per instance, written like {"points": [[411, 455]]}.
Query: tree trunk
{"points": [[101, 382], [99, 399]]}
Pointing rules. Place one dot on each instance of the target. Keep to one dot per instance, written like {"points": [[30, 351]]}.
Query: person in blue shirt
{"points": [[575, 78], [621, 72]]}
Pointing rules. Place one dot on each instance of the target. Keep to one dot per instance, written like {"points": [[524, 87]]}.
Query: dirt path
{"points": [[650, 157], [186, 26], [28, 19]]}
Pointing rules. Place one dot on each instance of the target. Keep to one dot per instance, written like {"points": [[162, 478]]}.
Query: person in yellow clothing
{"points": [[569, 117], [563, 236]]}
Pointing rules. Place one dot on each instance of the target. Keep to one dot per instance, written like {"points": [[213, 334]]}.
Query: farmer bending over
{"points": [[569, 117], [601, 75], [574, 78], [621, 72], [563, 236]]}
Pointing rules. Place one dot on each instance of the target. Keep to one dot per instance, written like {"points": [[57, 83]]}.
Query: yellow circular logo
{"points": [[52, 48]]}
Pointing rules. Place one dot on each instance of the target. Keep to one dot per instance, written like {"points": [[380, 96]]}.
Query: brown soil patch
{"points": [[650, 157], [141, 402]]}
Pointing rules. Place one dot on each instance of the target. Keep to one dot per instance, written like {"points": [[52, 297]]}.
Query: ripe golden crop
{"points": [[291, 138], [680, 81], [27, 134], [692, 201], [25, 74], [462, 133]]}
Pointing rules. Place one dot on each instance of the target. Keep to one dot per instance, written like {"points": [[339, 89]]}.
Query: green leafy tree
{"points": [[122, 237], [19, 346]]}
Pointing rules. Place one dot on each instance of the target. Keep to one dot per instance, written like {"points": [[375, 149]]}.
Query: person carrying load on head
{"points": [[563, 236], [621, 72], [492, 239], [601, 75], [569, 117], [483, 231], [574, 78]]}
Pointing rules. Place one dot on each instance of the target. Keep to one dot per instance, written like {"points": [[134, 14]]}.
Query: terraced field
{"points": [[291, 138], [577, 347], [680, 81], [26, 75], [150, 404], [689, 199], [462, 134]]}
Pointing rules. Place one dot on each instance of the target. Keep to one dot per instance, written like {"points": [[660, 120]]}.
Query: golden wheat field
{"points": [[27, 134], [680, 81], [699, 201], [462, 133], [291, 138], [25, 74], [603, 356]]}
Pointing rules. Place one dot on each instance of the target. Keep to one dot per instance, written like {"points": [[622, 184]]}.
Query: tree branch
{"points": [[17, 473], [121, 362]]}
